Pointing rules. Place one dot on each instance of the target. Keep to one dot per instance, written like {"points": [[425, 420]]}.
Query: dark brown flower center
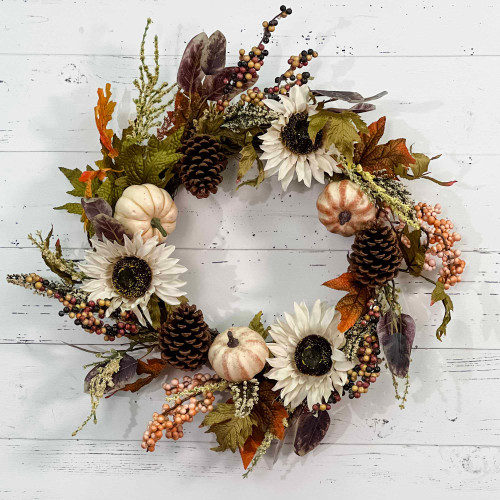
{"points": [[131, 277], [313, 355], [295, 135]]}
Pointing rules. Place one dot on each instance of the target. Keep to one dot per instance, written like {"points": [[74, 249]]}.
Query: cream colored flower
{"points": [[131, 273], [307, 362], [287, 146]]}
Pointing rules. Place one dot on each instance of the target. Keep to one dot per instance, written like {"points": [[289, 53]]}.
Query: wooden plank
{"points": [[429, 102], [448, 386], [248, 218], [90, 469], [388, 28], [230, 286]]}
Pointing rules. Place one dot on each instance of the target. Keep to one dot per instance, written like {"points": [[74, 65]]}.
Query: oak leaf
{"points": [[103, 113], [381, 158], [352, 305]]}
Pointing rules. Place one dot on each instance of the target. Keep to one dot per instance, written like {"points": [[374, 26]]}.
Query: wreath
{"points": [[129, 288]]}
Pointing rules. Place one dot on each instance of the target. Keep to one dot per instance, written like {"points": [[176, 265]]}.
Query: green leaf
{"points": [[439, 295], [341, 133], [358, 121], [257, 326], [72, 208], [317, 123], [230, 431], [415, 255], [248, 157], [221, 413], [257, 180], [110, 190], [154, 312], [73, 175], [144, 164], [419, 170]]}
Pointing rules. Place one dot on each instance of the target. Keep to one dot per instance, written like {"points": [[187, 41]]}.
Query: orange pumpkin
{"points": [[344, 209]]}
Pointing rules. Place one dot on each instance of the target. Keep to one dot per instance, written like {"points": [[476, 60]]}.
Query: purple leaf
{"points": [[397, 340], [127, 371], [96, 206], [190, 74], [214, 86], [347, 96], [213, 58], [311, 429], [107, 227]]}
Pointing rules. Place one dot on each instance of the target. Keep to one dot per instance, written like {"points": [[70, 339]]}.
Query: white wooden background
{"points": [[251, 250]]}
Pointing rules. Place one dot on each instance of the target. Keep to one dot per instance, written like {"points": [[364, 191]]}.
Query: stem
{"points": [[156, 223], [233, 342]]}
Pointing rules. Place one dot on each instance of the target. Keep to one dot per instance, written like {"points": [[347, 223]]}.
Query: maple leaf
{"points": [[103, 113], [248, 450], [381, 158], [352, 305]]}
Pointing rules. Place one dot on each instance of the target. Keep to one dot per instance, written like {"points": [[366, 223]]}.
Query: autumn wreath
{"points": [[128, 287]]}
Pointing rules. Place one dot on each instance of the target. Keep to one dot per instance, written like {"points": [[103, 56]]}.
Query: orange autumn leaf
{"points": [[103, 113], [344, 282], [352, 305], [375, 157], [248, 450], [277, 427]]}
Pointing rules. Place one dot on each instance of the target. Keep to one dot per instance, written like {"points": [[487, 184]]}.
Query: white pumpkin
{"points": [[238, 354], [146, 208], [344, 209]]}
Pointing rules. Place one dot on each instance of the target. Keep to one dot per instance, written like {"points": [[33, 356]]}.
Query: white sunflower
{"points": [[307, 362], [287, 146], [131, 273]]}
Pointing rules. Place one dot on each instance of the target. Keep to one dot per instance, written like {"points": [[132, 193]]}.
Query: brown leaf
{"points": [[248, 450], [153, 367], [381, 158], [213, 58], [103, 113], [269, 410]]}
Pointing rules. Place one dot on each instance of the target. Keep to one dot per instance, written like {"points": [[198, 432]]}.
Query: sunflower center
{"points": [[313, 355], [296, 138], [131, 277]]}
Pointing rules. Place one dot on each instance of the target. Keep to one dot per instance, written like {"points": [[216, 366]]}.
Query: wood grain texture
{"points": [[253, 250]]}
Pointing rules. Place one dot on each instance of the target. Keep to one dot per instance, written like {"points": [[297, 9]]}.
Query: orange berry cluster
{"points": [[441, 241], [172, 418]]}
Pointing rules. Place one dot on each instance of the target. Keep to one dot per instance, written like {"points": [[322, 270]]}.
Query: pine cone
{"points": [[375, 256], [185, 338], [201, 165]]}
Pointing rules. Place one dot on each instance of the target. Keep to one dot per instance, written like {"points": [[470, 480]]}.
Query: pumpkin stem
{"points": [[155, 222], [344, 217], [233, 342]]}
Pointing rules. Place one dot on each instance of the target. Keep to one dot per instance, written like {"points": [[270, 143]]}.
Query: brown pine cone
{"points": [[200, 167], [375, 257], [185, 338]]}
